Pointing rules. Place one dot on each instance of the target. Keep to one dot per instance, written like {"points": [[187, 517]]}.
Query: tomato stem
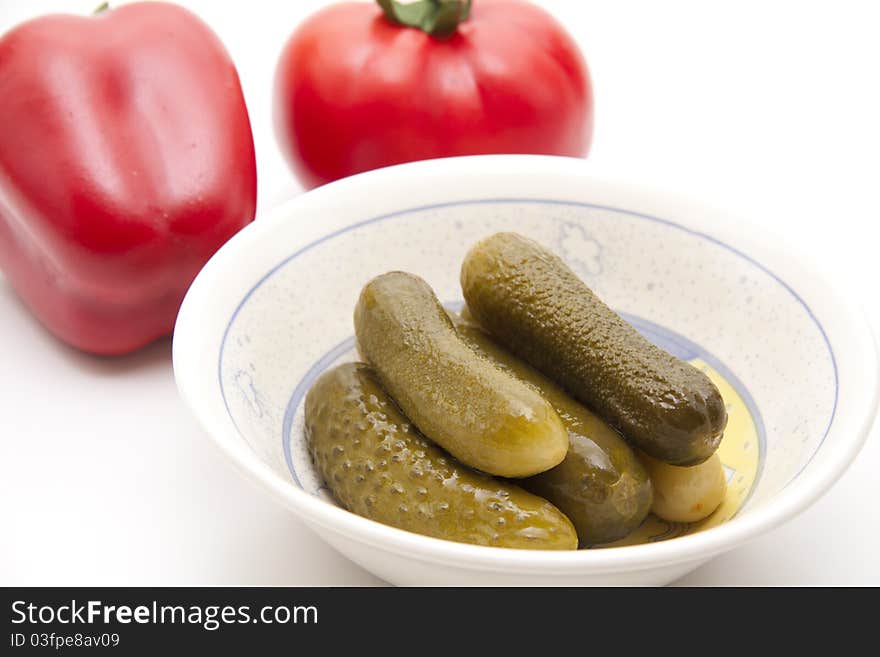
{"points": [[101, 8], [439, 18]]}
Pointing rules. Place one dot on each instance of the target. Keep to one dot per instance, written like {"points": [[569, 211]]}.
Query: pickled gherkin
{"points": [[601, 485], [531, 301], [378, 465], [482, 415]]}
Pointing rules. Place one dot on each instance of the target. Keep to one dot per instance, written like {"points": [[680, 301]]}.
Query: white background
{"points": [[769, 109]]}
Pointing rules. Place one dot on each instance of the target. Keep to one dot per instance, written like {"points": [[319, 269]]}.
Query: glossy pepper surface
{"points": [[126, 161]]}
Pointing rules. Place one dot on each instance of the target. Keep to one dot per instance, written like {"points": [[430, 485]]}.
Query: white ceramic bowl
{"points": [[273, 309]]}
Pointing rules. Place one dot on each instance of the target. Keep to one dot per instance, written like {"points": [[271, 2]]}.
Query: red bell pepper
{"points": [[126, 161]]}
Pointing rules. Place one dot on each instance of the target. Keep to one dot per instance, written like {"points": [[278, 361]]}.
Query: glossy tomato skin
{"points": [[354, 91], [126, 161]]}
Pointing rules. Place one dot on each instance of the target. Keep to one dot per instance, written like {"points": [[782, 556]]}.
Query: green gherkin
{"points": [[530, 300], [482, 415], [379, 466], [601, 485]]}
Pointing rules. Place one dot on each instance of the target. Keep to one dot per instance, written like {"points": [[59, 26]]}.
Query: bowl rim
{"points": [[197, 384]]}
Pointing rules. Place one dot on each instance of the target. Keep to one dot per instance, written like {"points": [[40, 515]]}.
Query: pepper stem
{"points": [[101, 8], [439, 18]]}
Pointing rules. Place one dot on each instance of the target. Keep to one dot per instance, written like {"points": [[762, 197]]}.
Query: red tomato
{"points": [[355, 91]]}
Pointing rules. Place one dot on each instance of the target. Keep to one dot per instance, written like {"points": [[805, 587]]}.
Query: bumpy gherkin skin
{"points": [[485, 417], [379, 466], [601, 485], [537, 307]]}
